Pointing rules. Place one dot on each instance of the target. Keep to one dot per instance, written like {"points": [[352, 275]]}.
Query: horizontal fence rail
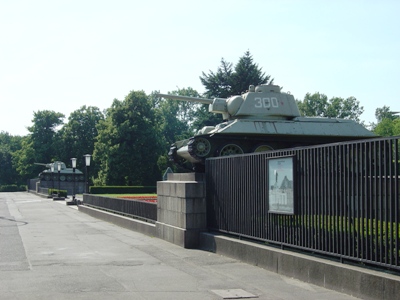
{"points": [[133, 208], [344, 196]]}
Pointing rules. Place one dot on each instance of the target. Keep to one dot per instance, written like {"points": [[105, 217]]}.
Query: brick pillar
{"points": [[181, 209]]}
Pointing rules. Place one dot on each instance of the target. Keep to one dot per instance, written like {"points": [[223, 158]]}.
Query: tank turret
{"points": [[264, 101], [262, 119]]}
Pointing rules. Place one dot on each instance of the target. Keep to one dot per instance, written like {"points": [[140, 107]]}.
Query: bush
{"points": [[123, 189], [13, 188], [62, 193]]}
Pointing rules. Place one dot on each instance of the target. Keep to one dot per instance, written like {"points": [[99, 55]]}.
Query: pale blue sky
{"points": [[61, 55]]}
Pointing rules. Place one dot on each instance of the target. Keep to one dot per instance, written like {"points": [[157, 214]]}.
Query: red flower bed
{"points": [[152, 199]]}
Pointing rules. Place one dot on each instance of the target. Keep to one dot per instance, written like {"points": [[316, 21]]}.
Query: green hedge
{"points": [[62, 193], [13, 188], [123, 189]]}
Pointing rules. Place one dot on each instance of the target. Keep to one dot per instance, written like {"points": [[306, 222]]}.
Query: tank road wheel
{"points": [[263, 148], [201, 147], [230, 149]]}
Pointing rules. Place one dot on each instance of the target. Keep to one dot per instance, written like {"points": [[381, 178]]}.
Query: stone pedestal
{"points": [[181, 209]]}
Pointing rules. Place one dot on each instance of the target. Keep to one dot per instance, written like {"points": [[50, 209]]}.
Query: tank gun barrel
{"points": [[185, 98], [40, 164]]}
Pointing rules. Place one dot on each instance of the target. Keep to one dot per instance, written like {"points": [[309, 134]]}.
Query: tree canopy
{"points": [[127, 146], [226, 82], [8, 145], [318, 105], [388, 122], [385, 113], [78, 136], [40, 145]]}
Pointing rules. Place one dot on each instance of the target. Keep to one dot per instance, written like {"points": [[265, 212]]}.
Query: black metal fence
{"points": [[345, 200], [133, 208]]}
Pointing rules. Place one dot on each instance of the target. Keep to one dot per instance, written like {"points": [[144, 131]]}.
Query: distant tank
{"points": [[262, 119], [66, 174]]}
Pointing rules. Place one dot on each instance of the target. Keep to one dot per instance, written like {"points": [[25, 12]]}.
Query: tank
{"points": [[262, 119], [66, 174]]}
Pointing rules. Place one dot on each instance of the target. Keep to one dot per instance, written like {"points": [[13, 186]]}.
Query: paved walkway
{"points": [[52, 251]]}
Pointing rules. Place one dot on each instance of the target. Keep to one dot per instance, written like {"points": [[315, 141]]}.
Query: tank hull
{"points": [[248, 136]]}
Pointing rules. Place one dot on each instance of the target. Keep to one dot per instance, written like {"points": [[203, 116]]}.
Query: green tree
{"points": [[39, 145], [389, 124], [78, 135], [247, 73], [174, 121], [127, 147], [8, 145], [384, 128], [218, 84], [385, 113], [174, 118], [313, 105], [227, 82], [202, 117], [318, 105]]}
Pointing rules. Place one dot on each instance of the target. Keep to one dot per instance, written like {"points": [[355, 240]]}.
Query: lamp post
{"points": [[52, 177], [59, 169], [73, 160], [87, 164]]}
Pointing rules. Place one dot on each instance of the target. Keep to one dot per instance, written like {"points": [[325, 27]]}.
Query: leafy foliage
{"points": [[218, 84], [12, 188], [388, 127], [78, 136], [8, 145], [40, 145], [318, 105], [227, 82], [174, 119], [127, 146], [385, 113]]}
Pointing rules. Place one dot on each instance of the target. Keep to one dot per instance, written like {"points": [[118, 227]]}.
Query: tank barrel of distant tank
{"points": [[185, 98]]}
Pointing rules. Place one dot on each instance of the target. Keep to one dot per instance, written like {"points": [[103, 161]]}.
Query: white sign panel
{"points": [[280, 185]]}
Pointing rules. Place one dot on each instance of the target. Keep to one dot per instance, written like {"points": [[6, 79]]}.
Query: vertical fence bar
{"points": [[361, 200], [307, 200], [396, 218], [389, 224], [381, 200]]}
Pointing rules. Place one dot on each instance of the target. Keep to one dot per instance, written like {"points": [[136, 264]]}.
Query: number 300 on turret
{"points": [[266, 102]]}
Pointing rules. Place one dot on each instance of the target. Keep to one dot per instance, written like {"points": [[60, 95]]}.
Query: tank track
{"points": [[205, 146]]}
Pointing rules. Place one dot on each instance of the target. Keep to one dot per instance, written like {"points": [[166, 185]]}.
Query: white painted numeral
{"points": [[266, 102]]}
